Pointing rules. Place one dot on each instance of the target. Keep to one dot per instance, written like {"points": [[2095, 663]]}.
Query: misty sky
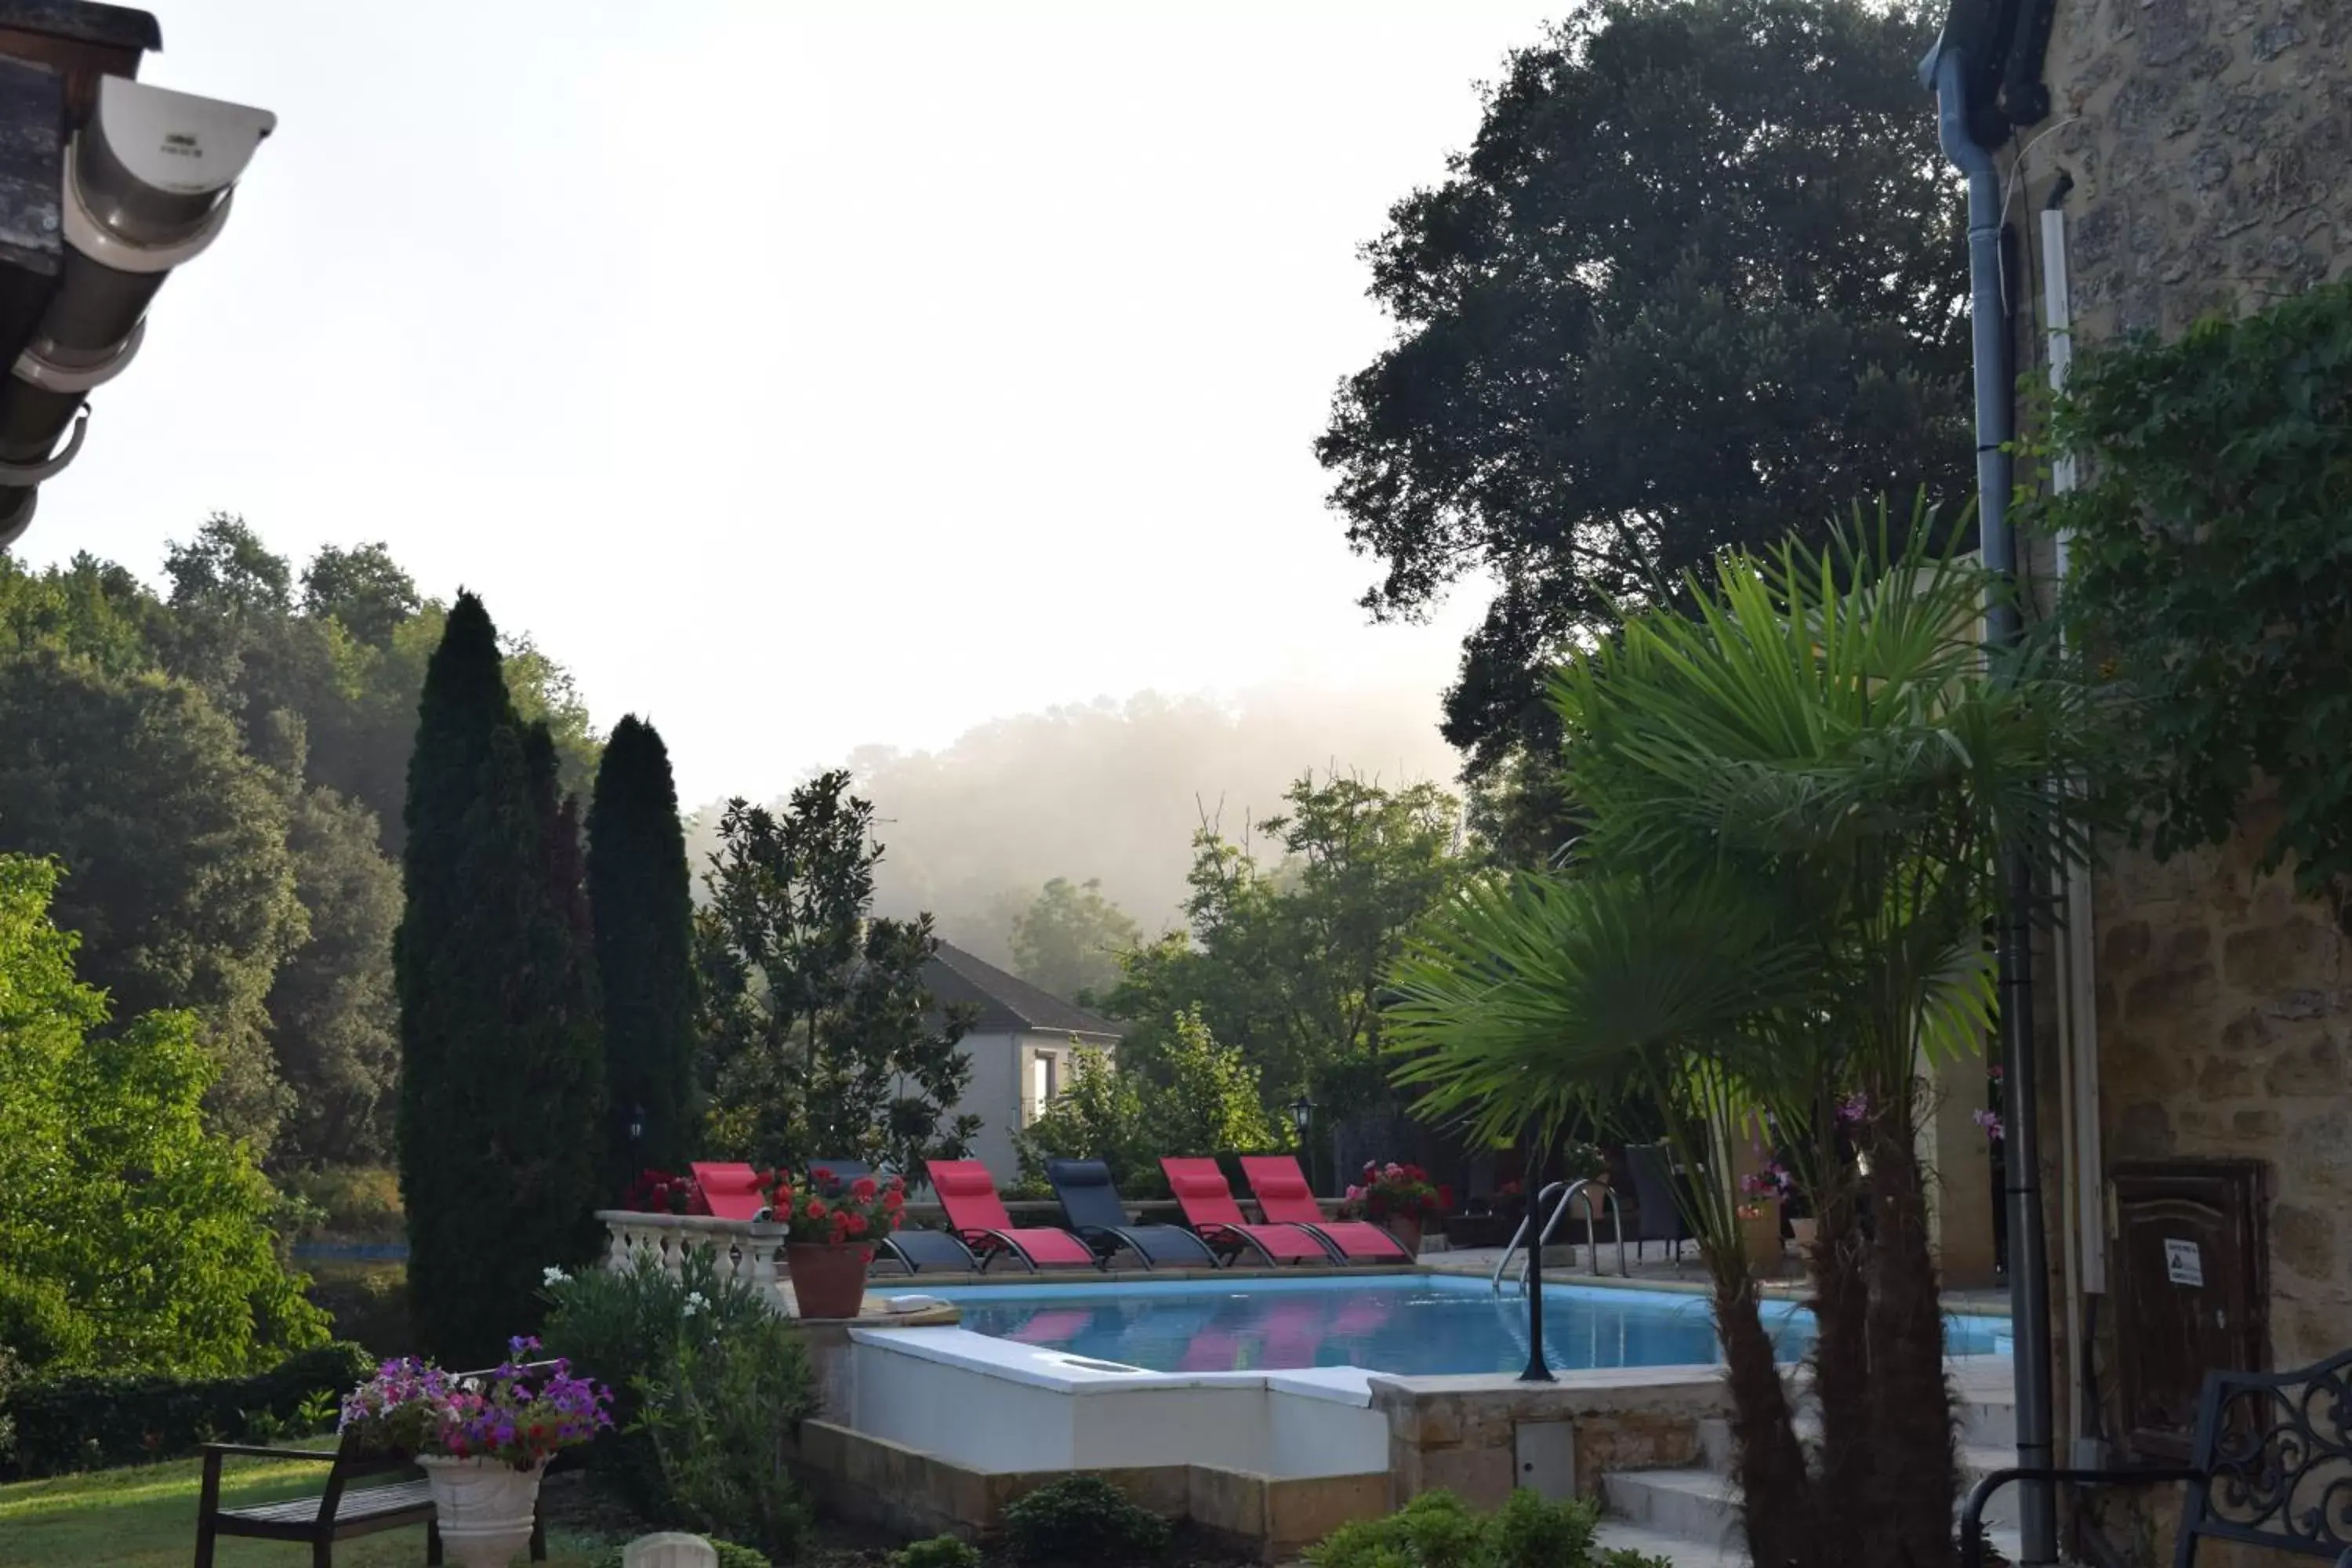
{"points": [[808, 376]]}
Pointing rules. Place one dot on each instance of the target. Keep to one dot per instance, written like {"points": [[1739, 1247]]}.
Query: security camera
{"points": [[141, 185]]}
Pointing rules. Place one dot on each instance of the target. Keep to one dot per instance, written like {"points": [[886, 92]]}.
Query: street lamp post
{"points": [[1302, 1116]]}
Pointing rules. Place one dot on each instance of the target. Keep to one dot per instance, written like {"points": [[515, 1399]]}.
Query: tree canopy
{"points": [[221, 769], [1696, 283], [182, 883], [129, 1231], [1068, 939], [501, 1118], [1284, 953], [819, 1036], [640, 893]]}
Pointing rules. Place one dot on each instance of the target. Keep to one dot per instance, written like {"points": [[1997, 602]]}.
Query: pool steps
{"points": [[1691, 1517]]}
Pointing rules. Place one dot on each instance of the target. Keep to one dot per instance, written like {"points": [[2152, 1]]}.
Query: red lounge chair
{"points": [[729, 1191], [1283, 1194], [1209, 1208], [968, 1192]]}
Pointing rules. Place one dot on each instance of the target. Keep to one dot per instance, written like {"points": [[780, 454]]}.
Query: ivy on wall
{"points": [[2212, 549]]}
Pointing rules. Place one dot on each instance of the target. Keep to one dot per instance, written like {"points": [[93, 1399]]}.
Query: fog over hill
{"points": [[1111, 790]]}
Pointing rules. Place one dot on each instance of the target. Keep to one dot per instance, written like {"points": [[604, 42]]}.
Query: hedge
{"points": [[87, 1422]]}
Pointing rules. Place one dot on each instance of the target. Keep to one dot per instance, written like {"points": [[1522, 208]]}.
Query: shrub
{"points": [[88, 1422], [1529, 1533], [1081, 1520], [1438, 1529], [707, 1379], [359, 1203], [939, 1552]]}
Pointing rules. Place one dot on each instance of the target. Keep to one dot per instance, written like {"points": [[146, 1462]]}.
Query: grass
{"points": [[145, 1517]]}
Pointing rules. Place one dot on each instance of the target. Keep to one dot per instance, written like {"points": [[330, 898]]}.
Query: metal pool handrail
{"points": [[1568, 1192]]}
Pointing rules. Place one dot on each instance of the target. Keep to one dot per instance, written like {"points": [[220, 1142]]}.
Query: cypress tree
{"points": [[500, 1108], [642, 902]]}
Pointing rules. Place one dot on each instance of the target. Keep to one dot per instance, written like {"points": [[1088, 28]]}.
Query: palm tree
{"points": [[1796, 791]]}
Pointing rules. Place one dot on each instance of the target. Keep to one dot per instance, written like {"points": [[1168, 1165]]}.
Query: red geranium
{"points": [[867, 1207], [1392, 1190], [658, 1192]]}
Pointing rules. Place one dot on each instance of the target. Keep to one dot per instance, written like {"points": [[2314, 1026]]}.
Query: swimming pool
{"points": [[1408, 1324]]}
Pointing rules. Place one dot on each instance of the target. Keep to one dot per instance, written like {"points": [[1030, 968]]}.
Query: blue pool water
{"points": [[1410, 1324]]}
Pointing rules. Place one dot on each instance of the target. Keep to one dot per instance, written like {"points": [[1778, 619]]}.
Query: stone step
{"points": [[1700, 1506]]}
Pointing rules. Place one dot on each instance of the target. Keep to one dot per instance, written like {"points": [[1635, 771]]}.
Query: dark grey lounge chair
{"points": [[1658, 1215], [1092, 1212]]}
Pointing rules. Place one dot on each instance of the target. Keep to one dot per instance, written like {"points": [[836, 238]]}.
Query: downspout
{"points": [[2085, 1187], [2029, 1267]]}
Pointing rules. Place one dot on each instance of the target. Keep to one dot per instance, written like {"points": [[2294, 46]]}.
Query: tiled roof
{"points": [[1008, 1003]]}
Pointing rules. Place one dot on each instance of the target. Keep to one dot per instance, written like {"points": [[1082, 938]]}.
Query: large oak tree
{"points": [[1697, 282]]}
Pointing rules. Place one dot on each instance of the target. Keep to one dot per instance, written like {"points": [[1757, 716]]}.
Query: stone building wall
{"points": [[2209, 146]]}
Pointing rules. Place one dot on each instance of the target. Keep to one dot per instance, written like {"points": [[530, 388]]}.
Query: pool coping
{"points": [[1791, 1291]]}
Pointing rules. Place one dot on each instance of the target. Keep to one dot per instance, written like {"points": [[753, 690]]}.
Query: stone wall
{"points": [[1460, 1434], [2222, 1009], [856, 1476], [2208, 143], [2209, 148]]}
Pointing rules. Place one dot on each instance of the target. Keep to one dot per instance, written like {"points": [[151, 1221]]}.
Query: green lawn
{"points": [[146, 1518]]}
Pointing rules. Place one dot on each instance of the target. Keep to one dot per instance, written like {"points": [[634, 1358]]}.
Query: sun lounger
{"points": [[729, 1191], [1282, 1193], [1209, 1207], [968, 1192], [1092, 1210]]}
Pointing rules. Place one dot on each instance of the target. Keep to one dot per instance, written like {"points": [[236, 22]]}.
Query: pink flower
{"points": [[1355, 1195]]}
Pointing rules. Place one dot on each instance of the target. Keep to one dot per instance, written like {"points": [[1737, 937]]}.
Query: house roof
{"points": [[1008, 1005]]}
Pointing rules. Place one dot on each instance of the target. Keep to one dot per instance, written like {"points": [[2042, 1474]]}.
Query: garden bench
{"points": [[2271, 1465], [337, 1512]]}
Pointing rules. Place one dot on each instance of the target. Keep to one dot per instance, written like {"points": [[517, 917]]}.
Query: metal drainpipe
{"points": [[2028, 1268]]}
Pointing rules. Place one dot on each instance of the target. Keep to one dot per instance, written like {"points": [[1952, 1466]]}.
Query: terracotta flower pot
{"points": [[1406, 1229], [828, 1281], [483, 1509]]}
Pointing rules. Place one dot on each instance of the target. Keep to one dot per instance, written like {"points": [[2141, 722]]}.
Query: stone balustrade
{"points": [[748, 1250]]}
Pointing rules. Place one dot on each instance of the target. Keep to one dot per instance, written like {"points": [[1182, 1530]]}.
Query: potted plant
{"points": [[483, 1440], [1399, 1197], [830, 1231]]}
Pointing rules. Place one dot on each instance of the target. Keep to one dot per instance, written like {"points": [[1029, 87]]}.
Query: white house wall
{"points": [[994, 1096]]}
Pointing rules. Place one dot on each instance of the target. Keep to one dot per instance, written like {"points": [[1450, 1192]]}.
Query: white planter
{"points": [[484, 1508]]}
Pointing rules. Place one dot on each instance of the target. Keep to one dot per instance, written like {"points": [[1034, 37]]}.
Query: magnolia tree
{"points": [[819, 1036]]}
